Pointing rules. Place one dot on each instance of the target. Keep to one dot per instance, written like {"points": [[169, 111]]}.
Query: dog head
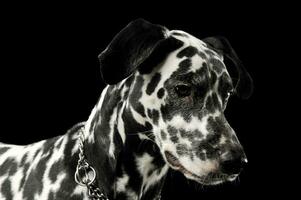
{"points": [[181, 87]]}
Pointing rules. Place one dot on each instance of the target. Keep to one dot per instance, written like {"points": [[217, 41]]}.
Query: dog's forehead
{"points": [[193, 57], [187, 38]]}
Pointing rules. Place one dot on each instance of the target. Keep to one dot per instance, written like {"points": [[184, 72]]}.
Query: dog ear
{"points": [[128, 49], [244, 85]]}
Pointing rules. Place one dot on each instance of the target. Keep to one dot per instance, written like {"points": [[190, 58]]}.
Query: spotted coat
{"points": [[163, 108]]}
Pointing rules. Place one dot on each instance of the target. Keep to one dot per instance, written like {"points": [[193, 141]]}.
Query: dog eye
{"points": [[183, 90]]}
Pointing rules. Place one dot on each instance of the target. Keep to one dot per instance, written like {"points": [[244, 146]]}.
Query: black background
{"points": [[50, 80]]}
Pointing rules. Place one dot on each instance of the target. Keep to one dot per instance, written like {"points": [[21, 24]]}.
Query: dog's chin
{"points": [[209, 179], [212, 179]]}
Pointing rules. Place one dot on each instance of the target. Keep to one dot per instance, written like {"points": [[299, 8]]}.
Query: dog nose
{"points": [[233, 165]]}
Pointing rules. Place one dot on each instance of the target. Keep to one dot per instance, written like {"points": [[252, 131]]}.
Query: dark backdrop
{"points": [[50, 78]]}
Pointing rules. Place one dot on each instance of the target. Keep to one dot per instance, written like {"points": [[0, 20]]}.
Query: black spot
{"points": [[51, 196], [6, 189], [201, 155], [13, 169], [23, 159], [210, 104], [197, 133], [32, 186], [217, 65], [164, 109], [153, 83], [183, 68], [3, 150], [215, 101], [25, 169], [154, 115], [213, 138], [173, 134], [176, 107], [174, 139], [135, 96], [183, 132], [172, 130], [163, 135], [212, 125], [160, 93], [188, 52], [182, 149], [201, 146], [213, 78], [186, 134], [9, 165], [190, 135], [148, 126], [185, 64], [55, 169], [149, 113], [36, 153]]}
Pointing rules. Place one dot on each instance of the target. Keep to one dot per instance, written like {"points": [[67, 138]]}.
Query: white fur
{"points": [[144, 165]]}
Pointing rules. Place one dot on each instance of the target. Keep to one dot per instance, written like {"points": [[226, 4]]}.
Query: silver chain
{"points": [[85, 174]]}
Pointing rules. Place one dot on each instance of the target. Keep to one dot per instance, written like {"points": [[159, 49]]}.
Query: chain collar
{"points": [[85, 174]]}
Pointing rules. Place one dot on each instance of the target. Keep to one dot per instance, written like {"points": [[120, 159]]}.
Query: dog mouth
{"points": [[212, 178]]}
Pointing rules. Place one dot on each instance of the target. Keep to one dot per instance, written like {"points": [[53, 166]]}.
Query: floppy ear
{"points": [[244, 85], [129, 48]]}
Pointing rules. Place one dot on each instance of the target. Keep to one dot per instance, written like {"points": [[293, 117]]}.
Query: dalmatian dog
{"points": [[163, 107]]}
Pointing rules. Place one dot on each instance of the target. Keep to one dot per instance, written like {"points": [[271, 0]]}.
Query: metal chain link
{"points": [[85, 174], [94, 193]]}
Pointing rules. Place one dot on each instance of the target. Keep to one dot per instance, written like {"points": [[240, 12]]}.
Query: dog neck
{"points": [[121, 148]]}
